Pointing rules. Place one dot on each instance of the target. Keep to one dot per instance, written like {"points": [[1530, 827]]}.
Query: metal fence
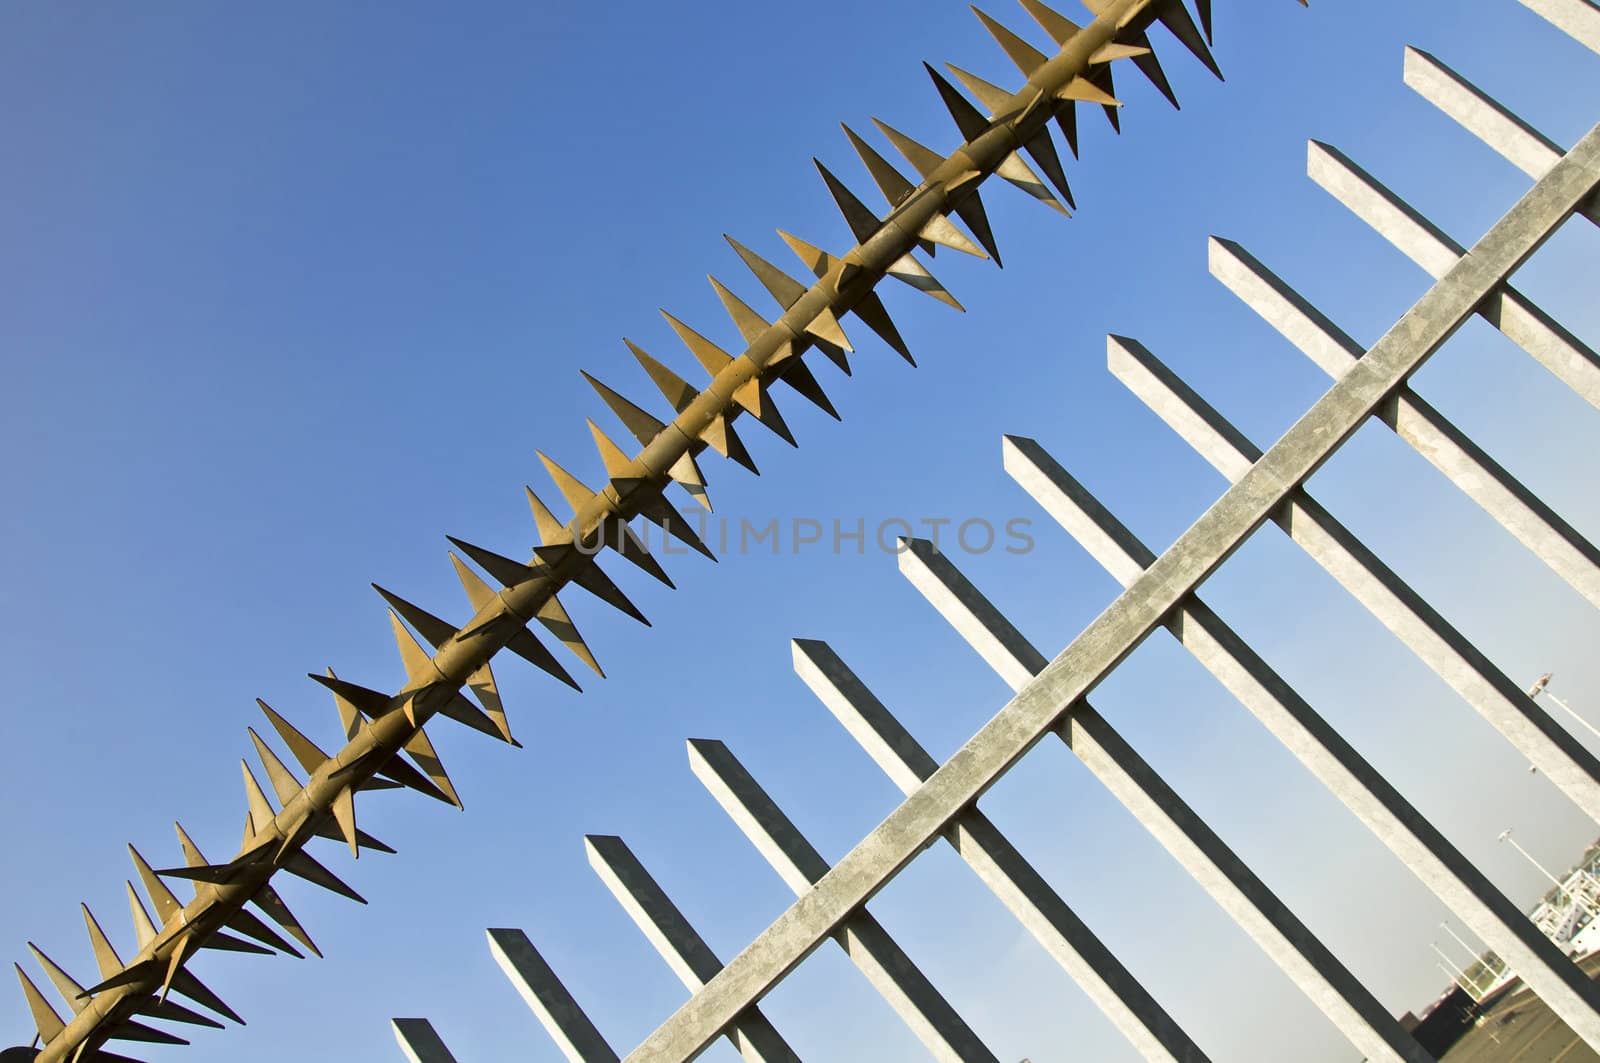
{"points": [[1052, 695]]}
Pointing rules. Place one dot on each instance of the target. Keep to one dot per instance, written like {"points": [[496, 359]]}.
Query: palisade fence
{"points": [[1052, 695]]}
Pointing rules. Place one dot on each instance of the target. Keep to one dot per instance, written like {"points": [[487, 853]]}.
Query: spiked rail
{"points": [[379, 726]]}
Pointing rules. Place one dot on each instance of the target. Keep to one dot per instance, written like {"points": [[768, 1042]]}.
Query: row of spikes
{"points": [[560, 558]]}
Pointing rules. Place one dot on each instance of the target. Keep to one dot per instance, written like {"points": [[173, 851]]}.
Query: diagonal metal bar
{"points": [[685, 951], [1579, 19], [1032, 900], [1514, 314], [1316, 744], [942, 1031], [419, 1042], [1237, 890], [1130, 619], [1520, 511], [1451, 655], [566, 1023]]}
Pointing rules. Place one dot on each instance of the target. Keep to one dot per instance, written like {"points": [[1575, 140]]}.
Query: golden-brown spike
{"points": [[261, 810], [572, 489], [969, 208], [619, 467], [711, 357], [285, 785], [672, 386], [45, 1020], [640, 424], [553, 615], [749, 323], [144, 929], [522, 641], [105, 957], [1027, 58], [544, 521], [301, 748], [167, 905], [69, 989]]}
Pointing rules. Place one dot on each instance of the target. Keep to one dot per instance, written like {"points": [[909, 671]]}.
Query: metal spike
{"points": [[1084, 89], [592, 578], [619, 467], [572, 489], [799, 376], [659, 512], [555, 620], [896, 189], [1026, 57], [908, 270], [1060, 28], [1175, 16], [304, 865], [242, 919], [45, 1020], [300, 747], [862, 221], [1204, 7], [420, 668], [421, 750], [968, 207], [69, 989], [261, 811], [720, 437], [549, 527], [268, 901], [673, 387], [510, 573], [685, 472], [711, 357], [750, 324], [870, 309], [1040, 146], [172, 1011], [969, 120], [430, 627], [167, 904], [285, 785], [483, 686], [363, 700], [129, 1030], [642, 425], [105, 957], [187, 984], [224, 942], [522, 642], [143, 928], [824, 329], [1150, 66]]}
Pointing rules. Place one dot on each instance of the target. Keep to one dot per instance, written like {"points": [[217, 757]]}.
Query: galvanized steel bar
{"points": [[419, 1043], [942, 1031], [568, 1026], [1237, 890], [1521, 512], [1034, 902], [685, 951], [1317, 745], [1579, 19], [1451, 655], [1525, 324], [1051, 695]]}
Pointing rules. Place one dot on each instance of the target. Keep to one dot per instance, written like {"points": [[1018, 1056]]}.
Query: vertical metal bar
{"points": [[1340, 995], [685, 951], [419, 1042], [1390, 599], [1035, 904], [1559, 351], [1579, 19], [1517, 509], [892, 973], [572, 1031], [1316, 744]]}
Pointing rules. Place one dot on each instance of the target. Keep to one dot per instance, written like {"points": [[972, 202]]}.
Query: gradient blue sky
{"points": [[287, 294]]}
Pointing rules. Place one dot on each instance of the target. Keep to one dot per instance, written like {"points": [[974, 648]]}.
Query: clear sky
{"points": [[287, 294]]}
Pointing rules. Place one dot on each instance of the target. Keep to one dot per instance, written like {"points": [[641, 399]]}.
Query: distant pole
{"points": [[1505, 836], [1476, 958], [1461, 976], [1454, 980], [1540, 686]]}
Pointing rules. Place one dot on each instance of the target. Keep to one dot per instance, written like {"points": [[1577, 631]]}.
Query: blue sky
{"points": [[289, 294]]}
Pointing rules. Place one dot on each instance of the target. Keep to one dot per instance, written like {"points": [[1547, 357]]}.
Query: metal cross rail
{"points": [[384, 744], [1052, 695]]}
